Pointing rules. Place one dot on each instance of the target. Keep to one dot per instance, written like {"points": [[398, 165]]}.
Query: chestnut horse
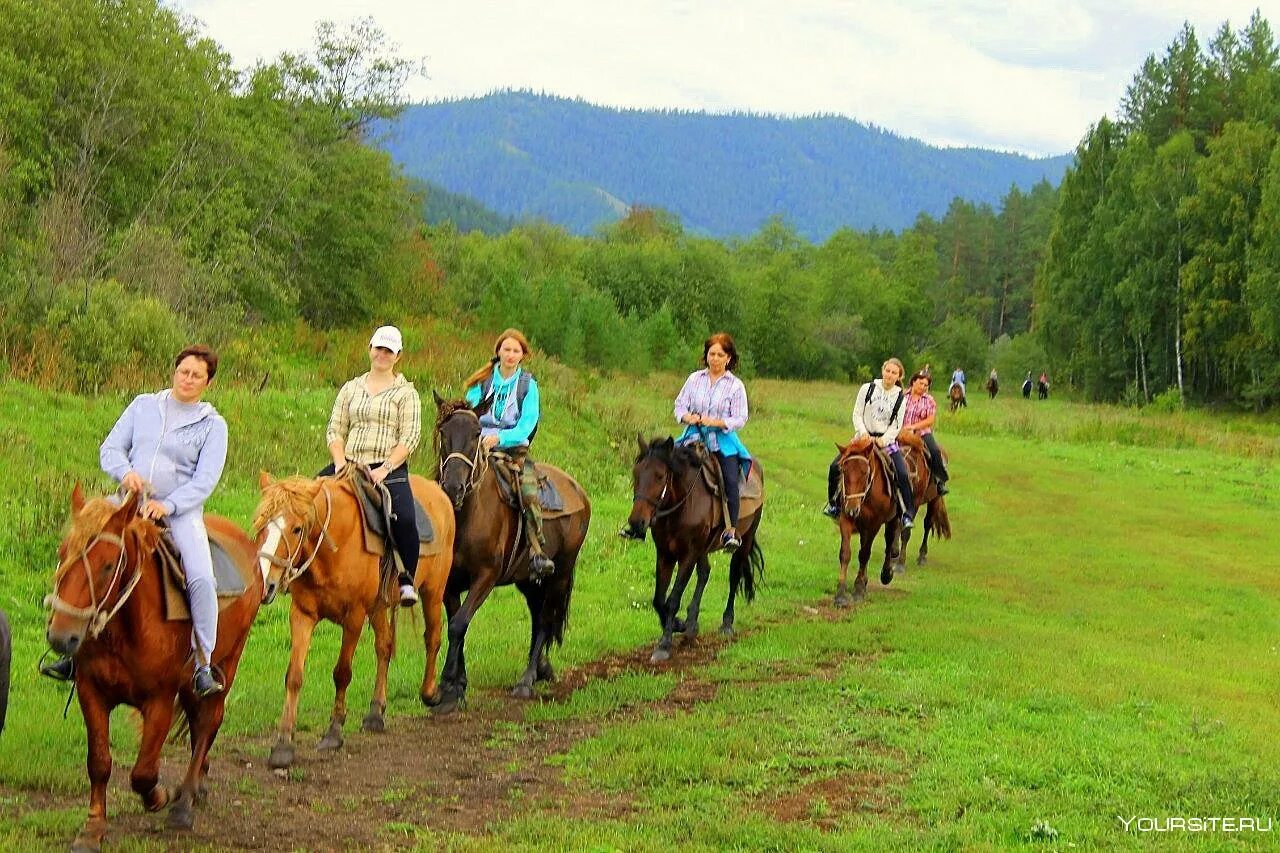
{"points": [[924, 487], [868, 504], [109, 611], [672, 500], [319, 527], [488, 550]]}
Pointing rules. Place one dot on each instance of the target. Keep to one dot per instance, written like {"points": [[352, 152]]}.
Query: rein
{"points": [[96, 614], [292, 571], [478, 462], [658, 512]]}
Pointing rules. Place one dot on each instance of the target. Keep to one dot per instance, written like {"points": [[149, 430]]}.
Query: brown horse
{"points": [[489, 551], [956, 395], [330, 574], [924, 487], [993, 386], [672, 500], [109, 611], [868, 504]]}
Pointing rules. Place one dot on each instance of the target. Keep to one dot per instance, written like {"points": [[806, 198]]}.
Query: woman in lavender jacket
{"points": [[171, 447], [713, 406]]}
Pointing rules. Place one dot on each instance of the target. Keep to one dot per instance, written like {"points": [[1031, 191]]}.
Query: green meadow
{"points": [[1100, 640]]}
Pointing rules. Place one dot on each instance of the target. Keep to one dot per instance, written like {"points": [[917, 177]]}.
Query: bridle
{"points": [[871, 478], [292, 570], [96, 614], [658, 512], [478, 462]]}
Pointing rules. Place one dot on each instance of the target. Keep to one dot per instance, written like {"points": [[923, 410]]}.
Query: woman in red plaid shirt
{"points": [[919, 416]]}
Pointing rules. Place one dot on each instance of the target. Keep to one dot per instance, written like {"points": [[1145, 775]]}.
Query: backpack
{"points": [[897, 404], [522, 391]]}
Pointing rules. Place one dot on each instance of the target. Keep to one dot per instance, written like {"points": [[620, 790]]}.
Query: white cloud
{"points": [[1028, 76]]}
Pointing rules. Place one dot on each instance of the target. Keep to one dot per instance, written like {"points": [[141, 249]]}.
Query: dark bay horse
{"points": [[993, 386], [109, 611], [329, 574], [868, 503], [671, 499], [489, 550], [956, 395]]}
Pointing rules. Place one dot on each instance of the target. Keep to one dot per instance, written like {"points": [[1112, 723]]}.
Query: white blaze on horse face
{"points": [[275, 532]]}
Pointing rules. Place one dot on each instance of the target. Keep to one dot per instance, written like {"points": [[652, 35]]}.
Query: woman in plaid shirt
{"points": [[921, 412], [377, 420]]}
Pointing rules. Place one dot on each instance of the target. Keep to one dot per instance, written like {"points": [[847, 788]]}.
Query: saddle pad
{"points": [[375, 539], [231, 580], [375, 504], [558, 494], [750, 489]]}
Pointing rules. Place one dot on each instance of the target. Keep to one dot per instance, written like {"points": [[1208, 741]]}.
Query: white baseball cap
{"points": [[387, 336]]}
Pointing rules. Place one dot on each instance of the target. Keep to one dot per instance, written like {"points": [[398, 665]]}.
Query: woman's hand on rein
{"points": [[379, 474], [153, 509], [489, 442]]}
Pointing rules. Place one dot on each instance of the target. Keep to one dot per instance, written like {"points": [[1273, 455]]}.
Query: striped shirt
{"points": [[371, 425], [919, 409], [725, 400]]}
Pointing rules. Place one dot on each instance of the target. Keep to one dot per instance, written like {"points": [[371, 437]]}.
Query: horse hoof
{"points": [[373, 723], [860, 594], [162, 799], [281, 756], [546, 673], [329, 742], [899, 568], [691, 634], [660, 655], [202, 795], [922, 560], [522, 691], [843, 600], [181, 817], [726, 630], [86, 844], [886, 576], [430, 700]]}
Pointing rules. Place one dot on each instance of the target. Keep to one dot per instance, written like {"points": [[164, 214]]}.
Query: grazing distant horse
{"points": [[956, 395], [993, 386], [6, 652], [867, 504], [672, 499], [109, 612], [491, 550], [331, 573]]}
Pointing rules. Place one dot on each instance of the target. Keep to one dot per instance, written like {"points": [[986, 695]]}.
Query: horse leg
{"points": [[662, 579], [864, 556], [534, 597], [97, 721], [899, 561], [301, 627], [341, 679], [684, 571], [449, 675], [842, 589], [205, 717], [157, 715], [924, 540], [891, 535], [690, 626], [375, 720], [454, 691], [432, 605]]}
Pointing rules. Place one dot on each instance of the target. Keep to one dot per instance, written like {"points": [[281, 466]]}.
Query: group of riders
{"points": [[171, 445]]}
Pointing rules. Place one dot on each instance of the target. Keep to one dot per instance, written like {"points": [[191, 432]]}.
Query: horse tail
{"points": [[746, 570], [939, 521]]}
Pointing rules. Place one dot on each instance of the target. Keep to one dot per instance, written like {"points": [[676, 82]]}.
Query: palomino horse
{"points": [[489, 550], [672, 500], [868, 503], [330, 574], [993, 386], [956, 395], [109, 611]]}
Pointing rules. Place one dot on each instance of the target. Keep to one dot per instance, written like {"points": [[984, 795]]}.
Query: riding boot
{"points": [[204, 683], [59, 669], [832, 509], [540, 565]]}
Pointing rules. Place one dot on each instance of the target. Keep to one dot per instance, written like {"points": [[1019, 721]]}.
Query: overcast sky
{"points": [[1023, 75]]}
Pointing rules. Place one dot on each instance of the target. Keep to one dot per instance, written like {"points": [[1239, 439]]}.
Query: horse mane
{"points": [[860, 446], [293, 496], [446, 410], [679, 458], [88, 523]]}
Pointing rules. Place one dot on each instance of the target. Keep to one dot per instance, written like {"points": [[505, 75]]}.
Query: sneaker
{"points": [[730, 542], [908, 522], [831, 511], [59, 669], [204, 683], [408, 595], [540, 567]]}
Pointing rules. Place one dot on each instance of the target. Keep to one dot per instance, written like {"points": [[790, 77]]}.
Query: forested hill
{"points": [[579, 165]]}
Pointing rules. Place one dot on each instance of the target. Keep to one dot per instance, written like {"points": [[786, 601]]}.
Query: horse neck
{"points": [[683, 489], [144, 607], [330, 523]]}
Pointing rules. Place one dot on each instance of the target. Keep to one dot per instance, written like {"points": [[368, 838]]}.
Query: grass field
{"points": [[1099, 640]]}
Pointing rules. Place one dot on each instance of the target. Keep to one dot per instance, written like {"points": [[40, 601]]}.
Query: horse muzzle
{"points": [[269, 592], [63, 641]]}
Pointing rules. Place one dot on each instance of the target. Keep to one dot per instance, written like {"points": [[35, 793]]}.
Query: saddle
{"points": [[230, 579], [750, 489], [555, 494], [375, 509]]}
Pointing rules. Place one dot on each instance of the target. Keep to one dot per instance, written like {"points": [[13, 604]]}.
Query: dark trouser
{"points": [[936, 463], [730, 473], [404, 524], [833, 481], [904, 483]]}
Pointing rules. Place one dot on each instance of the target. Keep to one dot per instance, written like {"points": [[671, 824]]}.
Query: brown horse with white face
{"points": [[109, 612], [489, 551], [868, 504], [311, 536]]}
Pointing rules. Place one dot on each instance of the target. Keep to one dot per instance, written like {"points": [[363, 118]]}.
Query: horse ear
{"points": [[77, 498], [644, 448], [128, 509], [669, 445], [439, 400], [843, 448], [483, 406], [264, 480]]}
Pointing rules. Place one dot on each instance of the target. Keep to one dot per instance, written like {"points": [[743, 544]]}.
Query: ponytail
{"points": [[480, 375]]}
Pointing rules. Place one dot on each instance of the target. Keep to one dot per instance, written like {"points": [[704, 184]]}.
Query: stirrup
{"points": [[540, 567], [408, 595], [831, 511], [908, 522], [59, 669], [204, 683], [730, 542]]}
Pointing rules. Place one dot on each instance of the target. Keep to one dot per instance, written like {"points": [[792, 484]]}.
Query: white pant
{"points": [[193, 545]]}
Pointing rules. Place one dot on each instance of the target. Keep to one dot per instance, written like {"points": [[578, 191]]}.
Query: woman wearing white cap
{"points": [[377, 420]]}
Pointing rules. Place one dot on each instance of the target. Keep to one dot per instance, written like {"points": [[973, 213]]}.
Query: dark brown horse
{"points": [[109, 611], [311, 535], [671, 499], [868, 504], [956, 395], [490, 550], [993, 386]]}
